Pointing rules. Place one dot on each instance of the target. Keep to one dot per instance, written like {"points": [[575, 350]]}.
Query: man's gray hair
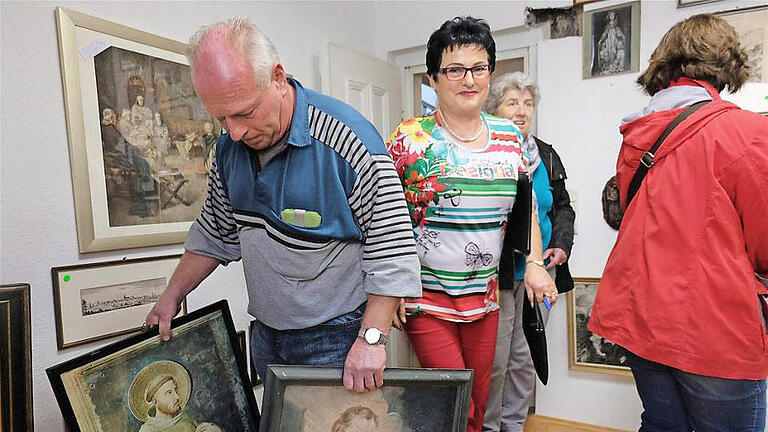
{"points": [[246, 38], [499, 87]]}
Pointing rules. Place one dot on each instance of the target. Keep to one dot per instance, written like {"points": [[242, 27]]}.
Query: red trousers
{"points": [[450, 345]]}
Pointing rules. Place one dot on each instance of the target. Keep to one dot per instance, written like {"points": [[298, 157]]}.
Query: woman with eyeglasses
{"points": [[459, 168]]}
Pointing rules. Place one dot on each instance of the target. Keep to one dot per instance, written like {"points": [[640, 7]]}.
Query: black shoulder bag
{"points": [[647, 159]]}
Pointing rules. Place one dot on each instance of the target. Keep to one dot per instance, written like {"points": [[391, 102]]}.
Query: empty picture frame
{"points": [[587, 351], [299, 398], [15, 359], [100, 300], [197, 379]]}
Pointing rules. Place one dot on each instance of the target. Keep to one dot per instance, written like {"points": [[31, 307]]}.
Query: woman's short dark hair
{"points": [[458, 32], [702, 47]]}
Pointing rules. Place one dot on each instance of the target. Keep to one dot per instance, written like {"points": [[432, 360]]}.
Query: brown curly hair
{"points": [[703, 47]]}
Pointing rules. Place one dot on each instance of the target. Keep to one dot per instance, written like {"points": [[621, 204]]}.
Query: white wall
{"points": [[37, 209]]}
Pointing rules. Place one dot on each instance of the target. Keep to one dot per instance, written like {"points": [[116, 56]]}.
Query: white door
{"points": [[373, 87], [367, 83]]}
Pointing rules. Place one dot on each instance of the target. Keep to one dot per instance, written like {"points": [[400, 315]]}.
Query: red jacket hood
{"points": [[640, 134]]}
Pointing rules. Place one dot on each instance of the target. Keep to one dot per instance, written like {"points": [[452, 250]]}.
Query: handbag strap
{"points": [[647, 159]]}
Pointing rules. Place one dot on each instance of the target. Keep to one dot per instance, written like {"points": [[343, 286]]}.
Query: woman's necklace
{"points": [[457, 136]]}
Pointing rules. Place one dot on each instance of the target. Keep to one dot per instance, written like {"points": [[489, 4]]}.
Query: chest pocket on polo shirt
{"points": [[301, 218]]}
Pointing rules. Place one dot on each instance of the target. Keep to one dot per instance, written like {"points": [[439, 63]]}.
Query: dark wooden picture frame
{"points": [[611, 41], [15, 359], [116, 387], [296, 397], [100, 300]]}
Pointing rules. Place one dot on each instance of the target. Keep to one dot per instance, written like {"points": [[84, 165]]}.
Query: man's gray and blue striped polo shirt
{"points": [[320, 226]]}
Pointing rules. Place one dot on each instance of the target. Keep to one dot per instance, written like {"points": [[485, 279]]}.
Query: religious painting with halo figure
{"points": [[611, 42], [195, 382]]}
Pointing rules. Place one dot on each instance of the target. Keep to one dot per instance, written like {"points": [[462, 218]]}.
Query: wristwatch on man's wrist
{"points": [[539, 263], [372, 336]]}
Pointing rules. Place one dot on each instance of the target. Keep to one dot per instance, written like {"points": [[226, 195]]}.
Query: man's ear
{"points": [[279, 76]]}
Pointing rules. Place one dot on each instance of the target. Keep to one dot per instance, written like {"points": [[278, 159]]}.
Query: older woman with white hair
{"points": [[514, 96]]}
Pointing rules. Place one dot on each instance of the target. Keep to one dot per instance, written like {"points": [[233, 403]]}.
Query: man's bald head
{"points": [[222, 50]]}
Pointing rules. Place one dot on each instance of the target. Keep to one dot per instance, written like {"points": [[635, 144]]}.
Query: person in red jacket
{"points": [[681, 291]]}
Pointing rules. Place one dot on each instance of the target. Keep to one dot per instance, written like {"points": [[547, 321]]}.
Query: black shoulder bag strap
{"points": [[647, 159]]}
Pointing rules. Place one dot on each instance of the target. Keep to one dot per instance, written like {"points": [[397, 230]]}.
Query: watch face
{"points": [[372, 335]]}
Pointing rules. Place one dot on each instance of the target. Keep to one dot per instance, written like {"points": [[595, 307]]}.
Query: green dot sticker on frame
{"points": [[67, 278], [301, 218]]}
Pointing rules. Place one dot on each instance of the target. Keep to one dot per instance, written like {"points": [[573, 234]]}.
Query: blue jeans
{"points": [[674, 400], [325, 344]]}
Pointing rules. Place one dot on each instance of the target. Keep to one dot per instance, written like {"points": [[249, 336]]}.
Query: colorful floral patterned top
{"points": [[458, 199]]}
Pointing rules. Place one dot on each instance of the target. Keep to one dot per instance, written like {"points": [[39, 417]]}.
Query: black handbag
{"points": [[533, 329], [518, 235]]}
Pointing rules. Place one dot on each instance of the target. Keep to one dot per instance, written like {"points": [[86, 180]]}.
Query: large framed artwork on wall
{"points": [[587, 351], [611, 41], [751, 24], [140, 141], [15, 359], [100, 300]]}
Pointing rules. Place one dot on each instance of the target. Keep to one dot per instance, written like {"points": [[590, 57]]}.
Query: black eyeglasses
{"points": [[456, 73]]}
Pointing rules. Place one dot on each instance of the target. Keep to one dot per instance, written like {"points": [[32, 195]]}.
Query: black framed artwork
{"points": [[301, 398], [15, 359], [197, 380]]}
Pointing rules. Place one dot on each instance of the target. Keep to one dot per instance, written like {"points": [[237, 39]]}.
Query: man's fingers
{"points": [[379, 378], [349, 382], [165, 329], [370, 382]]}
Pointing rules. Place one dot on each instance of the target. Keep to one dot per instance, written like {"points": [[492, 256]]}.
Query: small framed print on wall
{"points": [[99, 300], [611, 41], [586, 350]]}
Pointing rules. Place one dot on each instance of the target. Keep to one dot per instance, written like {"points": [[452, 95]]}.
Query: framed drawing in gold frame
{"points": [[15, 359], [140, 140], [100, 300], [587, 351]]}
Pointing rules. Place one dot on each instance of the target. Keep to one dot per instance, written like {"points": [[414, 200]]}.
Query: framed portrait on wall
{"points": [[751, 24], [308, 398], [611, 42], [196, 381], [15, 359], [100, 300], [586, 350], [140, 141]]}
